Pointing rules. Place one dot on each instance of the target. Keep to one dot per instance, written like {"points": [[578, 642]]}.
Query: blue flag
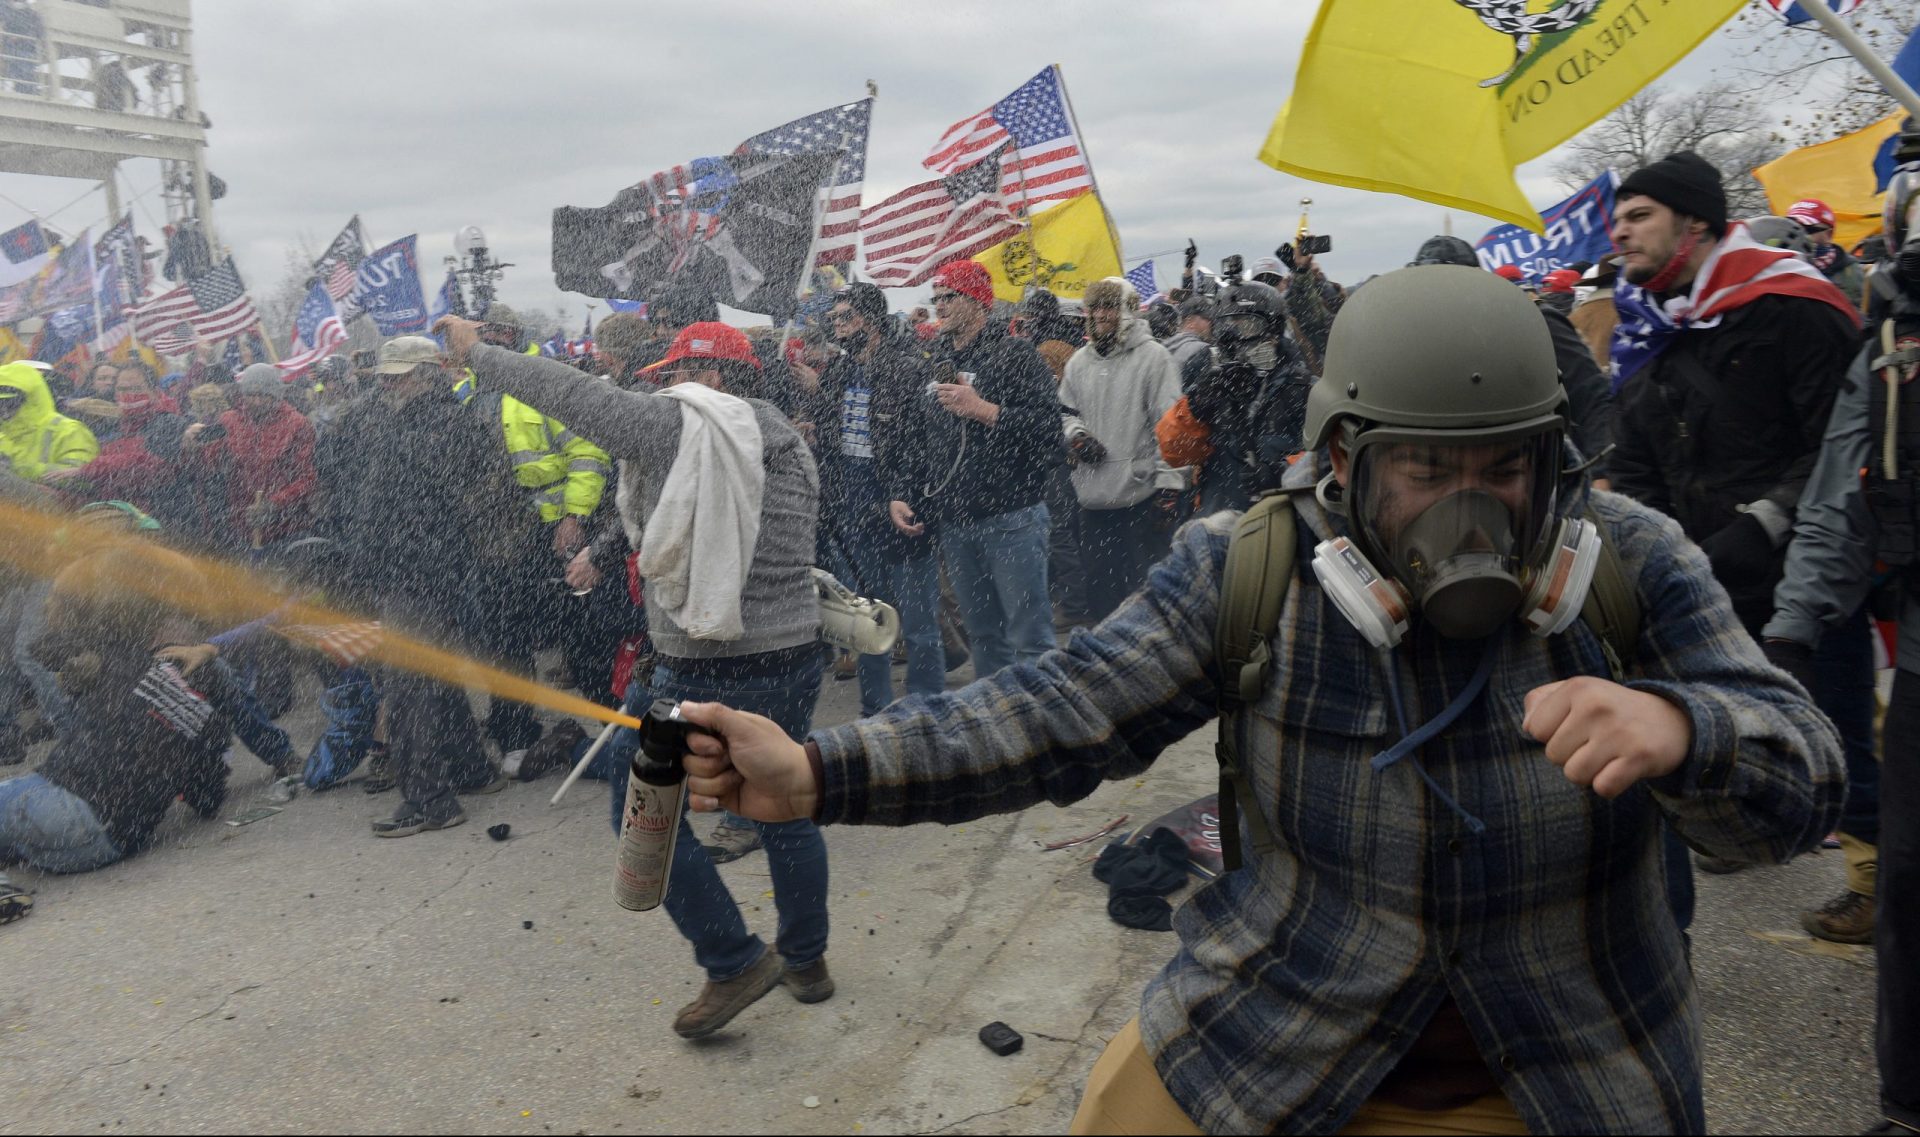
{"points": [[387, 288], [626, 305], [1141, 277], [24, 242], [1576, 230], [448, 301]]}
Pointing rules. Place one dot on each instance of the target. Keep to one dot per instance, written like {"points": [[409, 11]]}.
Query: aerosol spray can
{"points": [[656, 786]]}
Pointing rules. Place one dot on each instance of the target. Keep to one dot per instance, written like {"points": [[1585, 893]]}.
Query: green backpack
{"points": [[1253, 590]]}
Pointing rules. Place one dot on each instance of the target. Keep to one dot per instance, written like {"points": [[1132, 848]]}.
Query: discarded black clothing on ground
{"points": [[1137, 876]]}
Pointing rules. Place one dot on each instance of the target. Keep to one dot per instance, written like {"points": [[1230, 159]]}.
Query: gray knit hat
{"points": [[262, 379]]}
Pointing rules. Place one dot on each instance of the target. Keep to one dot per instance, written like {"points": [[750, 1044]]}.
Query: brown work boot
{"points": [[809, 984], [719, 1002], [1846, 919]]}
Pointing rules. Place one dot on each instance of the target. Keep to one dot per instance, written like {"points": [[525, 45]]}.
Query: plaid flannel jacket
{"points": [[1304, 978]]}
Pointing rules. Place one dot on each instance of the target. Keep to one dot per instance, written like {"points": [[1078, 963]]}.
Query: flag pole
{"points": [[1830, 21], [93, 291], [1085, 152]]}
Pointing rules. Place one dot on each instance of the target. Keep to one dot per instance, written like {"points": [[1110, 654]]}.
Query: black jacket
{"points": [[1589, 392], [1730, 415], [971, 471], [897, 378], [419, 499], [142, 736]]}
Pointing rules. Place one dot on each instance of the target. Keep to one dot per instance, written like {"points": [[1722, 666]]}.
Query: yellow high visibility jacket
{"points": [[38, 439], [566, 473]]}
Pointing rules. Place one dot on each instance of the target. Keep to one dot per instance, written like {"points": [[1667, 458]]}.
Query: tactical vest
{"points": [[1891, 478]]}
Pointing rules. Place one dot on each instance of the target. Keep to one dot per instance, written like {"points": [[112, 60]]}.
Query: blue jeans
{"points": [[1843, 688], [913, 588], [783, 686], [51, 829], [23, 617], [998, 568]]}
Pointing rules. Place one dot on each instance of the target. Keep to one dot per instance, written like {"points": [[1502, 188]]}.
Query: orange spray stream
{"points": [[234, 595]]}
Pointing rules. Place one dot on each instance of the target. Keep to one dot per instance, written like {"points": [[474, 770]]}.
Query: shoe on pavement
{"points": [[809, 984], [410, 819], [844, 667], [730, 842], [494, 784], [720, 1002], [16, 903], [1888, 1127], [1718, 866], [379, 777], [554, 751], [1846, 919]]}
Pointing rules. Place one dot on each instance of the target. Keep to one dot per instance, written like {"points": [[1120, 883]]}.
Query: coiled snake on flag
{"points": [[1510, 17]]}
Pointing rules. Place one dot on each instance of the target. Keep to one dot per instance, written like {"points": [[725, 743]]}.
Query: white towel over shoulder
{"points": [[699, 540]]}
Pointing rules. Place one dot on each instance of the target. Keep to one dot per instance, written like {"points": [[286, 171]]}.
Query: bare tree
{"points": [[280, 302], [1826, 91], [1719, 122]]}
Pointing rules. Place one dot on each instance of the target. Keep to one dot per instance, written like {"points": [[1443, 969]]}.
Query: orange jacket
{"points": [[1183, 438]]}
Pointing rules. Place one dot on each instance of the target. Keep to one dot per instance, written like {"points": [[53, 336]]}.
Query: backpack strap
{"points": [[1253, 590], [1612, 609]]}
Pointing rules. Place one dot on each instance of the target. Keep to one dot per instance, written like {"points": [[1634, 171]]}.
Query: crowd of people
{"points": [[1500, 720]]}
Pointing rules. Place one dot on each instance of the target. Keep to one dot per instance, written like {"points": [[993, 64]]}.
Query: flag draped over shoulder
{"points": [[1440, 100], [1064, 250], [1839, 172], [739, 229]]}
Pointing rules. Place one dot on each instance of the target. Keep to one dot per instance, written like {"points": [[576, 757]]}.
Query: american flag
{"points": [[842, 128], [1739, 270], [917, 230], [1794, 11], [339, 264], [1141, 277], [1046, 161], [207, 309], [317, 331]]}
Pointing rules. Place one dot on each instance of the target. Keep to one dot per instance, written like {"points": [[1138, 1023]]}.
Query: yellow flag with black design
{"points": [[1065, 249], [1440, 99]]}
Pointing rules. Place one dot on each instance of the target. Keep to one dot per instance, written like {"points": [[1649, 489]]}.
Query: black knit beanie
{"points": [[1685, 183]]}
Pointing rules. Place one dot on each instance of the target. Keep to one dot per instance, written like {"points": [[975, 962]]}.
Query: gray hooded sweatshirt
{"points": [[1118, 399]]}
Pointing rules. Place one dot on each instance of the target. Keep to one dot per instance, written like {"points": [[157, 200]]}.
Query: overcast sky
{"points": [[423, 117]]}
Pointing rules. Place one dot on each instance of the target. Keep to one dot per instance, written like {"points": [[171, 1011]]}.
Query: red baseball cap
{"points": [[1812, 213], [1510, 272], [968, 278], [709, 341], [1560, 280]]}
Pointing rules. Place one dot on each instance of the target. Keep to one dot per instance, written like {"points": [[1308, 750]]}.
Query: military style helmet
{"points": [[1438, 348], [1781, 233]]}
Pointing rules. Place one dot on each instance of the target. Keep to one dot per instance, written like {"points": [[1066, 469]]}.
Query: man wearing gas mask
{"points": [[1861, 507], [1458, 773], [1241, 418]]}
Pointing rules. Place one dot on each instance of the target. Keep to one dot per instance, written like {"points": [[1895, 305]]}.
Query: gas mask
{"points": [[1466, 536]]}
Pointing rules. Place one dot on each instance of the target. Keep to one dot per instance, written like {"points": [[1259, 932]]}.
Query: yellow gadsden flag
{"points": [[1441, 99], [1838, 172], [1067, 248]]}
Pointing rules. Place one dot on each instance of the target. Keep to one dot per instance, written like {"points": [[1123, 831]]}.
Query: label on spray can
{"points": [[650, 824]]}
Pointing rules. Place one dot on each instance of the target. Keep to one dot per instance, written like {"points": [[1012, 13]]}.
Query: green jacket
{"points": [[39, 438]]}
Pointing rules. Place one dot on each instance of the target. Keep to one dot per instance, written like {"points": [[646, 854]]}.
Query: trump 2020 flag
{"points": [[387, 288], [1576, 230], [1440, 101]]}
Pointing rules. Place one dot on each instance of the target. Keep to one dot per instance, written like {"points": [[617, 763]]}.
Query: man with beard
{"points": [[1113, 393], [1726, 362]]}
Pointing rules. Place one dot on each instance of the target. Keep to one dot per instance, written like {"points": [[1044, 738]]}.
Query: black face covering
{"points": [[854, 342]]}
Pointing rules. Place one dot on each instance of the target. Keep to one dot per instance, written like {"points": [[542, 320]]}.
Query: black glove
{"points": [[1796, 659], [1742, 553], [1085, 448]]}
